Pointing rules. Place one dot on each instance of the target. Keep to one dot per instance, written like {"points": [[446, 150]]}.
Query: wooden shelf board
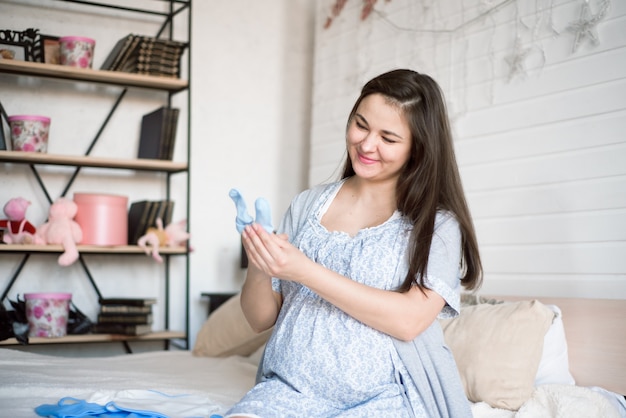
{"points": [[97, 338], [88, 161], [94, 76], [87, 249]]}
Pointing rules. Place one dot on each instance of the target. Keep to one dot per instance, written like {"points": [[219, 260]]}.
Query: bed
{"points": [[518, 357]]}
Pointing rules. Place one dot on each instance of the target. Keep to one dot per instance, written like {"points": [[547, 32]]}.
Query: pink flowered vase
{"points": [[47, 314], [29, 133], [76, 51]]}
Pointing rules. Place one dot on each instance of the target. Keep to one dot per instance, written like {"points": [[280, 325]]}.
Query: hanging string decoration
{"points": [[366, 10], [516, 60], [585, 27], [523, 50]]}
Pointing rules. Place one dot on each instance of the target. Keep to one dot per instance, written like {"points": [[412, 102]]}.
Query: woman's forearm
{"points": [[260, 304], [401, 315]]}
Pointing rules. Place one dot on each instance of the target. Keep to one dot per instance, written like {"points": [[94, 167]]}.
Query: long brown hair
{"points": [[430, 179]]}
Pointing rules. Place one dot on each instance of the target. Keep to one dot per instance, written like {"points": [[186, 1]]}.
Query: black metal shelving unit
{"points": [[126, 81]]}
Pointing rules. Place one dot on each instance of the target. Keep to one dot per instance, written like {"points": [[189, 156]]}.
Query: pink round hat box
{"points": [[103, 218], [47, 314]]}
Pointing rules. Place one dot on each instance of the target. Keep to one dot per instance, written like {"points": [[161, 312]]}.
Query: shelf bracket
{"points": [[95, 139], [40, 182], [90, 277], [15, 276]]}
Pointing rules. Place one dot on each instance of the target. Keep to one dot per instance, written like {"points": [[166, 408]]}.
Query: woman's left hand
{"points": [[274, 254]]}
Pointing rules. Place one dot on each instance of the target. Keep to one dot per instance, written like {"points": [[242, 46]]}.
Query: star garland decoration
{"points": [[585, 27], [516, 60]]}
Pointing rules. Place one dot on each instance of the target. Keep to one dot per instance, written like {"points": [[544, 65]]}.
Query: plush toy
{"points": [[62, 229], [174, 235], [17, 229]]}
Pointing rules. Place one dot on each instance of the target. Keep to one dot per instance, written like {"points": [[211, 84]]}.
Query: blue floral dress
{"points": [[319, 361]]}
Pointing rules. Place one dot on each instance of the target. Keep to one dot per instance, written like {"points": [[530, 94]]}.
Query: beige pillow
{"points": [[497, 349], [226, 332]]}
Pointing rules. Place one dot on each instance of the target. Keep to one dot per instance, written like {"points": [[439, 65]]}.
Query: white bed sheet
{"points": [[28, 380]]}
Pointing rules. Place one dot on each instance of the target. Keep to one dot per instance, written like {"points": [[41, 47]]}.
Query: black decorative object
{"points": [[4, 139], [21, 46]]}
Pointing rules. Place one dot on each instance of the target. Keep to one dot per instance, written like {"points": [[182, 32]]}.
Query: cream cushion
{"points": [[497, 349], [226, 332]]}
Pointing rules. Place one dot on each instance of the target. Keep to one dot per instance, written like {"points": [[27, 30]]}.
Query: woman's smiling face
{"points": [[378, 139]]}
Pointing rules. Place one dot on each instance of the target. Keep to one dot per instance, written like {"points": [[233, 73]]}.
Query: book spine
{"points": [[161, 206], [116, 53], [153, 127], [152, 216], [169, 210], [171, 138], [166, 134], [122, 329], [125, 54], [128, 318], [121, 309], [137, 218], [128, 301]]}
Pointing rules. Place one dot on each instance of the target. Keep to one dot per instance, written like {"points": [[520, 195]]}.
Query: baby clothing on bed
{"points": [[322, 362], [131, 404]]}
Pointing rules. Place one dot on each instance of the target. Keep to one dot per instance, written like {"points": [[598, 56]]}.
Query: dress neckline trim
{"points": [[329, 200]]}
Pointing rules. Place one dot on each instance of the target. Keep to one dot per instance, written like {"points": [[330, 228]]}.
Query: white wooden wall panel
{"points": [[571, 228], [542, 151], [583, 258], [551, 168], [573, 285], [578, 196], [574, 134], [563, 106]]}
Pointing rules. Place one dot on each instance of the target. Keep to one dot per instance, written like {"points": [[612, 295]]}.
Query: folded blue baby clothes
{"points": [[132, 404], [73, 408]]}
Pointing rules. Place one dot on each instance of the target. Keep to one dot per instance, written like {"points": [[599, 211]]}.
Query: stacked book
{"points": [[143, 214], [158, 134], [125, 316], [145, 55]]}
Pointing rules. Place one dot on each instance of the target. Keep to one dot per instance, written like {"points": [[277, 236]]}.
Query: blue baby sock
{"points": [[243, 218], [263, 212]]}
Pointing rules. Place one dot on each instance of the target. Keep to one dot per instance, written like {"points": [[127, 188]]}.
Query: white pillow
{"points": [[554, 364]]}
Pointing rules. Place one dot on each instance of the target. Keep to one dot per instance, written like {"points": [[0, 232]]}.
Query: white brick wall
{"points": [[542, 152]]}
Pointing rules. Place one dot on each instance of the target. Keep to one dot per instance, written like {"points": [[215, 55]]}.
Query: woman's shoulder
{"points": [[446, 223], [445, 216]]}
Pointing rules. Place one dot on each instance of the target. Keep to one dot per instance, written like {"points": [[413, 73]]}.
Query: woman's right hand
{"points": [[273, 254]]}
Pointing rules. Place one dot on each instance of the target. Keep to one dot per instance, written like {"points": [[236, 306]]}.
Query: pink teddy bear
{"points": [[62, 229], [17, 229]]}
